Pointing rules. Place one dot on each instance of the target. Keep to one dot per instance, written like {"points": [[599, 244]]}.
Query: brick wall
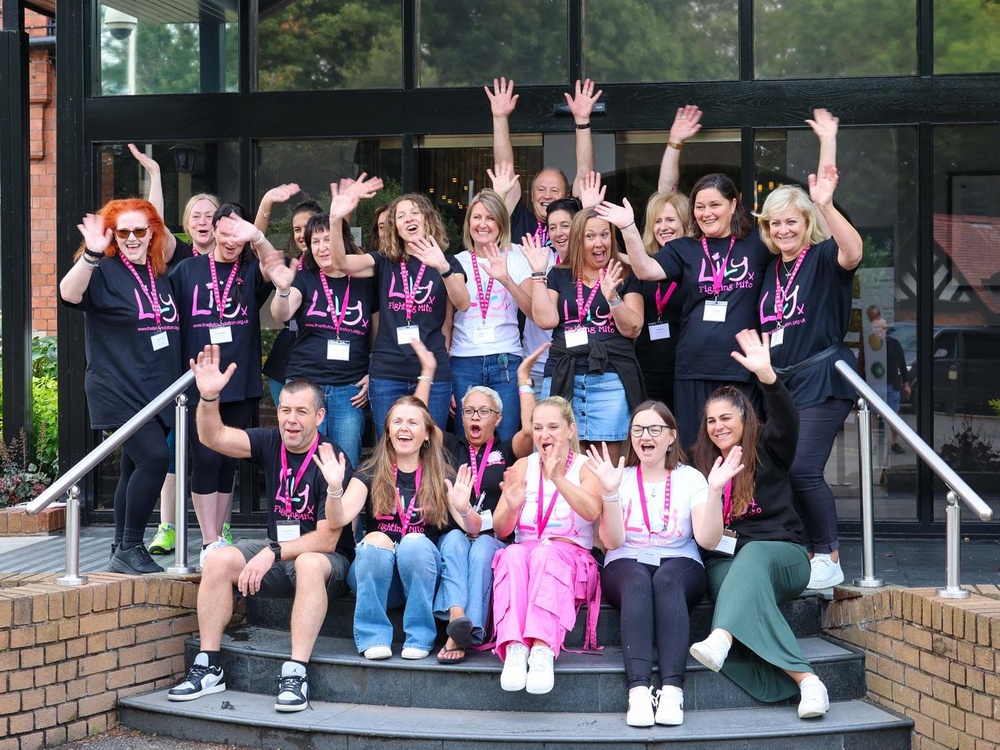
{"points": [[934, 660], [68, 653]]}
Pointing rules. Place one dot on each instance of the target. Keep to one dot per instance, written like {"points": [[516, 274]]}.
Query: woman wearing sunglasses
{"points": [[133, 353]]}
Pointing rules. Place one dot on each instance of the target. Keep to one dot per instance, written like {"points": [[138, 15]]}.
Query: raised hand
{"points": [[147, 163], [274, 267], [611, 279], [364, 187], [535, 252], [582, 103], [621, 216], [725, 469], [342, 203], [95, 235], [756, 356], [512, 488], [460, 490], [207, 375], [239, 228], [553, 463], [280, 194], [524, 369], [608, 473], [823, 185], [333, 466], [591, 190], [502, 97], [496, 263], [687, 122], [429, 252], [428, 362], [503, 178], [824, 124]]}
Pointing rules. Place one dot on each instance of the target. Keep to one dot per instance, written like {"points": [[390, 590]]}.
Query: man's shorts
{"points": [[279, 581]]}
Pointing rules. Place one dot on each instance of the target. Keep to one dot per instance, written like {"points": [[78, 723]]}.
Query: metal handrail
{"points": [[957, 487]]}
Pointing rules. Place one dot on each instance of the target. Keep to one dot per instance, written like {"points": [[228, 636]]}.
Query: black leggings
{"points": [[660, 596], [144, 462], [211, 471]]}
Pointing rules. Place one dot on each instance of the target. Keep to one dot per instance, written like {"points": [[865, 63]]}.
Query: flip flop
{"points": [[443, 659], [460, 631]]}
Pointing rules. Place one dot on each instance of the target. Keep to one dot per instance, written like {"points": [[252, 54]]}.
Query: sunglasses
{"points": [[139, 233]]}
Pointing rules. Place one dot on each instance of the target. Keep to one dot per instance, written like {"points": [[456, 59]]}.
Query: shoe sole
{"points": [[378, 655], [671, 723], [288, 709], [538, 689], [639, 723], [825, 585], [513, 687], [192, 696], [160, 550], [703, 658], [125, 570], [815, 714]]}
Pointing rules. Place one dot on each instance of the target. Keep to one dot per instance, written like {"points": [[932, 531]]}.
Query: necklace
{"points": [[788, 266]]}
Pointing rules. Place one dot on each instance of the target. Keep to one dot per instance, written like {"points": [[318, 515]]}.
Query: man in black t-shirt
{"points": [[303, 557]]}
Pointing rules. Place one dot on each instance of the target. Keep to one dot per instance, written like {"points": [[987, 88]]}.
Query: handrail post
{"points": [[953, 539], [180, 566], [866, 480], [72, 577]]}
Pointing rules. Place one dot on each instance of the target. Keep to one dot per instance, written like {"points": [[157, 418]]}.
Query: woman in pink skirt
{"points": [[550, 501]]}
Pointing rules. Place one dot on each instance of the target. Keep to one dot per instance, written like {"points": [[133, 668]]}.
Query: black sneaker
{"points": [[293, 688], [201, 680], [133, 561]]}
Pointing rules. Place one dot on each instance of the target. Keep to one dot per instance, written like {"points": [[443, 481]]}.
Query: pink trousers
{"points": [[538, 589]]}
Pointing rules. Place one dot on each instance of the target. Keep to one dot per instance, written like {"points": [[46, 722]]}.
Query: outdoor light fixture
{"points": [[184, 157]]}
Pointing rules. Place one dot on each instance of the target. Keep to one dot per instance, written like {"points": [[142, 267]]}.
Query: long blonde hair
{"points": [[653, 207], [574, 253], [433, 226]]}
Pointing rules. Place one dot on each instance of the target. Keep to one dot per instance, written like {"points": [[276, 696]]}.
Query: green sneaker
{"points": [[164, 540], [227, 533]]}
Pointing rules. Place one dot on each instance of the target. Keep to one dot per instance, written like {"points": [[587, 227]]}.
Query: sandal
{"points": [[460, 631], [442, 656]]}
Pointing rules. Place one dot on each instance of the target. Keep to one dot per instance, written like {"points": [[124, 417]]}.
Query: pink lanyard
{"points": [[718, 272], [727, 504], [780, 294], [285, 476], [580, 307], [410, 292], [540, 521], [661, 302], [482, 469], [338, 320], [223, 300], [150, 291], [484, 302], [642, 498], [542, 233], [404, 517]]}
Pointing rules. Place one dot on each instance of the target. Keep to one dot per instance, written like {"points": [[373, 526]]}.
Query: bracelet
{"points": [[92, 253], [627, 226], [466, 514], [448, 273], [675, 144], [584, 126], [527, 381], [541, 278], [334, 495], [426, 378], [614, 302], [264, 213], [525, 390], [205, 400], [538, 274], [287, 292], [259, 238], [610, 498], [92, 264]]}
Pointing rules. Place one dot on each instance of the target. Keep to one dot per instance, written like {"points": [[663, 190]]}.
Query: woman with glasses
{"points": [[133, 353], [657, 512]]}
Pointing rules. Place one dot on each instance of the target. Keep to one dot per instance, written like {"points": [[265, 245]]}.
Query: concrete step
{"points": [[591, 682], [235, 717]]}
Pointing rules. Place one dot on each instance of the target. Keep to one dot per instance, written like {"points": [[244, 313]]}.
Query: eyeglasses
{"points": [[484, 412], [139, 233], [654, 430]]}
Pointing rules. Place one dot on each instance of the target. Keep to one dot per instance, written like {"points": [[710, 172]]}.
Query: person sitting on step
{"points": [[304, 556]]}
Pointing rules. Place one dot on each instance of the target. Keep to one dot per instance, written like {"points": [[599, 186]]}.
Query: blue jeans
{"points": [[499, 372], [600, 406], [344, 424], [467, 577], [383, 392], [385, 578]]}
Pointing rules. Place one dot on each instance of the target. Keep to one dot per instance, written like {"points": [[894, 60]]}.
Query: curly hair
{"points": [[433, 226], [112, 210]]}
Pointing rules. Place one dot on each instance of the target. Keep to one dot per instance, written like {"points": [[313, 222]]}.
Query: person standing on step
{"points": [[304, 557], [760, 561]]}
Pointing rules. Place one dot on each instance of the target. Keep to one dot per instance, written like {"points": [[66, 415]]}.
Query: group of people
{"points": [[541, 348]]}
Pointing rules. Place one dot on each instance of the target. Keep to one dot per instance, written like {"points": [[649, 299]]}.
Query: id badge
{"points": [[159, 341], [727, 545], [659, 331], [220, 335], [576, 337], [339, 351], [715, 311], [649, 556], [484, 335], [777, 336], [287, 531], [487, 519], [406, 334]]}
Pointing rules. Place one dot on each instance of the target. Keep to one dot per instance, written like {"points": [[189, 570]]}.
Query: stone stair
{"points": [[405, 704]]}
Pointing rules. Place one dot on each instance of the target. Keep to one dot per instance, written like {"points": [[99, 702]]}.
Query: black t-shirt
{"points": [[199, 308], [290, 500], [317, 327], [392, 525], [816, 314], [430, 304], [499, 458], [182, 251], [703, 347], [596, 317], [124, 370], [662, 306], [523, 221]]}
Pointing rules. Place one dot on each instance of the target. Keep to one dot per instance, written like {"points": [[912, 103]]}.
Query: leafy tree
{"points": [[965, 36]]}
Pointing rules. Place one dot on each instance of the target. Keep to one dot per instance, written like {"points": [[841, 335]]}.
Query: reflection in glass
{"points": [[835, 38], [469, 43], [152, 47], [965, 34], [329, 44], [657, 40]]}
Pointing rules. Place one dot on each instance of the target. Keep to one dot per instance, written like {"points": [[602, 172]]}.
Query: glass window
{"points": [[329, 44], [661, 40], [152, 47], [965, 34], [835, 38], [469, 43]]}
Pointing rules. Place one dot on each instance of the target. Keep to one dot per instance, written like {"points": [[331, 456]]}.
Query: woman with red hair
{"points": [[133, 353]]}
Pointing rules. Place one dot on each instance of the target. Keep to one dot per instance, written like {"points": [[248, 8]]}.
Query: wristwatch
{"points": [[276, 549]]}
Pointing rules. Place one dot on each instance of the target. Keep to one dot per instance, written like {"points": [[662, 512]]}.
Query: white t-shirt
{"points": [[534, 336], [670, 533], [473, 336]]}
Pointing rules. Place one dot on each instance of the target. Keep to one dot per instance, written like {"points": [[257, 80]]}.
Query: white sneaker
{"points": [[201, 679], [378, 652], [293, 688], [815, 700], [220, 542], [825, 572], [515, 668], [413, 652], [640, 708], [670, 706], [712, 651], [540, 674]]}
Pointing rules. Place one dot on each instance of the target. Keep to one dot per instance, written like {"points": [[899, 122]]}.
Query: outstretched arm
{"points": [[623, 217], [502, 102], [343, 202], [155, 195], [506, 183], [581, 105], [211, 431], [849, 242], [825, 126], [687, 122], [278, 194]]}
